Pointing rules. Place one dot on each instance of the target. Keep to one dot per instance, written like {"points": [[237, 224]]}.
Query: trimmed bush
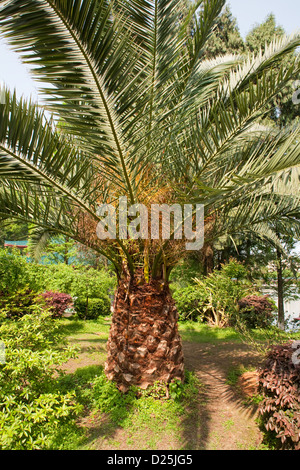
{"points": [[279, 384], [256, 311], [91, 309]]}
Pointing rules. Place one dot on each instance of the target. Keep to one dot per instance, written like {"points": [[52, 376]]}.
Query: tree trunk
{"points": [[208, 259], [281, 324], [66, 251], [144, 345]]}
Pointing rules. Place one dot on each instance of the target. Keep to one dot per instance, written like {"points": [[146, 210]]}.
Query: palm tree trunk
{"points": [[144, 345]]}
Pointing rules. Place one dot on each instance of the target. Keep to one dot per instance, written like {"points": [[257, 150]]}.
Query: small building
{"points": [[22, 245]]}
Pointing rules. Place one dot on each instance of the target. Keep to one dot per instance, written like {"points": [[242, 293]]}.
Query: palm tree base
{"points": [[144, 344]]}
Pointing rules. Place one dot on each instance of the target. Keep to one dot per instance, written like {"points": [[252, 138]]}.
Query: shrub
{"points": [[189, 302], [78, 281], [279, 384], [13, 271], [17, 304], [17, 272], [222, 291], [32, 409], [91, 309], [214, 299], [256, 311], [57, 302]]}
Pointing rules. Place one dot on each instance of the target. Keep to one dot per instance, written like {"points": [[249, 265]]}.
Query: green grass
{"points": [[200, 333], [190, 331], [147, 418], [236, 372], [73, 327], [146, 421]]}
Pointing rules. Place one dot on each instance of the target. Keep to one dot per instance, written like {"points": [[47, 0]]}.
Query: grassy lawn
{"points": [[190, 331], [200, 333], [75, 328]]}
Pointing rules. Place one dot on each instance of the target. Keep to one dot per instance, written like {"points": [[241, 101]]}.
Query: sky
{"points": [[248, 13], [287, 12], [14, 74]]}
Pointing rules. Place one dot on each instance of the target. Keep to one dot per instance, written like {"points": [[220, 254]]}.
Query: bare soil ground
{"points": [[221, 419], [226, 420]]}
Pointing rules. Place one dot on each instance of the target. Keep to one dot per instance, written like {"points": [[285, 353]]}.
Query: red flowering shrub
{"points": [[256, 311], [57, 302], [279, 384]]}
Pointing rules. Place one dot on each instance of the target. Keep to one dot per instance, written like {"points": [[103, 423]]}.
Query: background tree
{"points": [[263, 34], [53, 249], [226, 37], [282, 109], [13, 231]]}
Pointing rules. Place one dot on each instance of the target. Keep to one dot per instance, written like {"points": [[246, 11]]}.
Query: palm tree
{"points": [[137, 112]]}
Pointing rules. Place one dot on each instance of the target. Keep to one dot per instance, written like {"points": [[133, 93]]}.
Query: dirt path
{"points": [[223, 421]]}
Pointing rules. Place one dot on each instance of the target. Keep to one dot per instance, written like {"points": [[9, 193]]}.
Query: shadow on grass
{"points": [[80, 381], [84, 343], [73, 325], [102, 427], [105, 408]]}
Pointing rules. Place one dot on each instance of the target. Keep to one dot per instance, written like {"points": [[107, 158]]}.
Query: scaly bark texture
{"points": [[144, 345]]}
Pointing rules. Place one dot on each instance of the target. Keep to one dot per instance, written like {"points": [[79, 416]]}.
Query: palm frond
{"points": [[38, 240], [82, 91]]}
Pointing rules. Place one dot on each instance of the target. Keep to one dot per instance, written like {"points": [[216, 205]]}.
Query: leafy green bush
{"points": [[32, 409], [13, 271], [19, 303], [91, 309], [222, 290], [189, 301], [79, 281], [214, 299], [17, 272]]}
